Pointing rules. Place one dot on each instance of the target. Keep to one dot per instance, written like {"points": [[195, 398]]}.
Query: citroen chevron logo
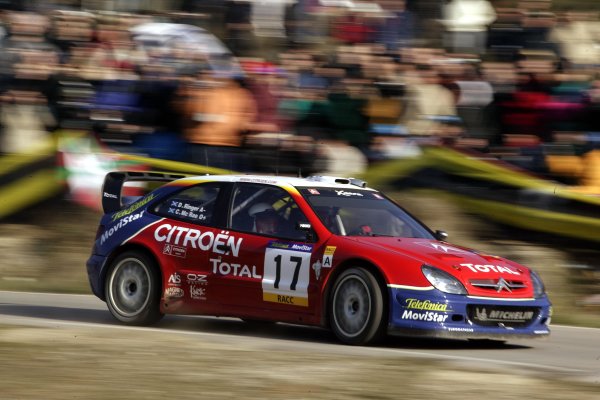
{"points": [[502, 284], [445, 249]]}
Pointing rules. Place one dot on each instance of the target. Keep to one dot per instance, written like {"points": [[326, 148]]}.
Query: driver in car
{"points": [[266, 220]]}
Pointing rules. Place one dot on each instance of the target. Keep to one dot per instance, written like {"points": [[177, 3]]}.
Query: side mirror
{"points": [[308, 230], [441, 235]]}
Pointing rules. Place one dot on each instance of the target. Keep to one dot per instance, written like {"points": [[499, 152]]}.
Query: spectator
{"points": [[218, 111], [398, 29], [238, 27], [474, 103], [115, 54], [466, 23], [347, 104], [577, 35], [25, 119], [429, 103]]}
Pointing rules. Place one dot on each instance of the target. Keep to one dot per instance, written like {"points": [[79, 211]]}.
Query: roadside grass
{"points": [[45, 248]]}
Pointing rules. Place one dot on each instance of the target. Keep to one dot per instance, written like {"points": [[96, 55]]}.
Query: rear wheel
{"points": [[133, 289], [356, 307]]}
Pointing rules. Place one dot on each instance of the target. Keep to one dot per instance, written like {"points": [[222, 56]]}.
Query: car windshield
{"points": [[355, 212]]}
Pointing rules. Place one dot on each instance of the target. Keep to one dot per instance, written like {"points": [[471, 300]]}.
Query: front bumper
{"points": [[436, 314]]}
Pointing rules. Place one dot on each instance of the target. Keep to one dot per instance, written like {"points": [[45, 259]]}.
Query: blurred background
{"points": [[480, 117]]}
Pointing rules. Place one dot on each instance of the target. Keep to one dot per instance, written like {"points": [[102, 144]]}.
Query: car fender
{"points": [[395, 267]]}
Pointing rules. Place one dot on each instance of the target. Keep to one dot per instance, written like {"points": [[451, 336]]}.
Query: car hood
{"points": [[481, 274]]}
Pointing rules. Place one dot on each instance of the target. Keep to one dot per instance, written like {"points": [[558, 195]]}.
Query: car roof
{"points": [[281, 181]]}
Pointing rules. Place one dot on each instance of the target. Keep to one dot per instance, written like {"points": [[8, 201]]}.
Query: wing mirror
{"points": [[441, 235]]}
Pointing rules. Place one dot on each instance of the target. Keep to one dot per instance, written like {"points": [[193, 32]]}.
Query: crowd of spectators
{"points": [[320, 80]]}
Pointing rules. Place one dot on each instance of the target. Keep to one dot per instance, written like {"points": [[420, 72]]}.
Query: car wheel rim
{"points": [[130, 287], [352, 306]]}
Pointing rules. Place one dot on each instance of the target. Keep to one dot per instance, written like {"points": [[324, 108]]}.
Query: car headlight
{"points": [[443, 281], [538, 286]]}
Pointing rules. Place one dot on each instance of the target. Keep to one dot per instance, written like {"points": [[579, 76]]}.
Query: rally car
{"points": [[321, 251]]}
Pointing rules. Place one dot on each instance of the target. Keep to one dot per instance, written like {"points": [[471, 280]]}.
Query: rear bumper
{"points": [[432, 313], [95, 269]]}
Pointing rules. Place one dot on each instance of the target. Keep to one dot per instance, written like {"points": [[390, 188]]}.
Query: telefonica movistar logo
{"points": [[132, 208], [427, 305]]}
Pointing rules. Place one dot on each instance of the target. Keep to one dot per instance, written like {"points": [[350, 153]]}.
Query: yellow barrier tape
{"points": [[28, 191]]}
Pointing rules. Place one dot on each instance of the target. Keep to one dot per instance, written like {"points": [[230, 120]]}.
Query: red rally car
{"points": [[321, 251]]}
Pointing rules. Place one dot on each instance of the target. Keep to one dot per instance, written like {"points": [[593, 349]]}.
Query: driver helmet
{"points": [[265, 218]]}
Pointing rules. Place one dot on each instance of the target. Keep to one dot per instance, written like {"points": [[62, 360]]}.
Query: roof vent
{"points": [[340, 180]]}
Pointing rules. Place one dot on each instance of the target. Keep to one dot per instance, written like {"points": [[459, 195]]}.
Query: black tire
{"points": [[133, 288], [356, 308]]}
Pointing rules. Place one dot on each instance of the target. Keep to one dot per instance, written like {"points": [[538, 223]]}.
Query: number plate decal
{"points": [[286, 273]]}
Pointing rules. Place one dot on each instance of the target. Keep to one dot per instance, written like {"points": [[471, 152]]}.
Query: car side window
{"points": [[195, 204], [266, 210]]}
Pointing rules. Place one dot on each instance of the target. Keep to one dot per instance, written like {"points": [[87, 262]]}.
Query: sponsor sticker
{"points": [[290, 246], [328, 256], [313, 191], [287, 273], [428, 316], [345, 193], [427, 305], [197, 292], [286, 299], [461, 329], [175, 251], [484, 315], [132, 208], [258, 180], [119, 226], [224, 268], [174, 279], [490, 268], [198, 279], [317, 268], [220, 243], [174, 293]]}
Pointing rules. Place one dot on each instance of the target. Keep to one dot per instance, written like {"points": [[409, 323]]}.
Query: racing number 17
{"points": [[286, 274], [294, 259]]}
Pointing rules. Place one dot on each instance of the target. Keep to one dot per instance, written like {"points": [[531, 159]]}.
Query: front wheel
{"points": [[133, 289], [356, 307]]}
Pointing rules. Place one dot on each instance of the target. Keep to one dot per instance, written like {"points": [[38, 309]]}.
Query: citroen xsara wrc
{"points": [[321, 251]]}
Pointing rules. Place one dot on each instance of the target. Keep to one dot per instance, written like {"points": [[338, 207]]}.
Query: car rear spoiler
{"points": [[113, 184]]}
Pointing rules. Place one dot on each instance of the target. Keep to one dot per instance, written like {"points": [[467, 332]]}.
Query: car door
{"points": [[271, 269], [187, 237]]}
